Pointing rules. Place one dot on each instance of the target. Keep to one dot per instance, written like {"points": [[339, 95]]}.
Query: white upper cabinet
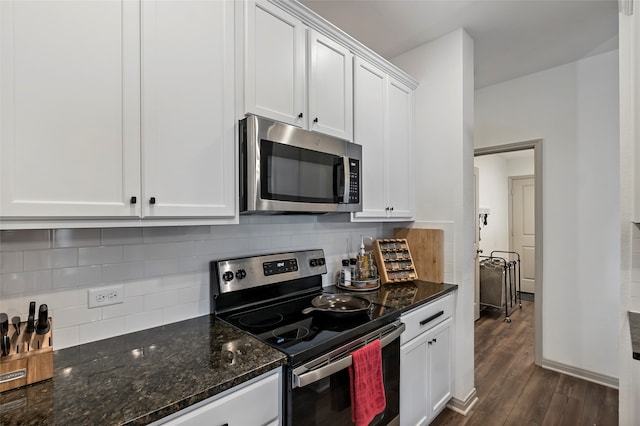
{"points": [[370, 93], [330, 87], [69, 108], [294, 74], [275, 79], [383, 125], [399, 155], [188, 126], [117, 109]]}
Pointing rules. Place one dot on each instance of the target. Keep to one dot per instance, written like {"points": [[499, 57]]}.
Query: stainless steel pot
{"points": [[338, 304]]}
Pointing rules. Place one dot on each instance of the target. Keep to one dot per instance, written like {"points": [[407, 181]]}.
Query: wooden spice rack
{"points": [[30, 358], [395, 264]]}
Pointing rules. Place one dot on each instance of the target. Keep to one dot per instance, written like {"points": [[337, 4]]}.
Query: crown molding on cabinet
{"points": [[325, 27]]}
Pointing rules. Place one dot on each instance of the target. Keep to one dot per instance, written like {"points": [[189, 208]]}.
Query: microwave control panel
{"points": [[354, 179]]}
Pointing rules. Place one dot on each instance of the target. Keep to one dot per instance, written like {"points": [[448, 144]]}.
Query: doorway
{"points": [[494, 211]]}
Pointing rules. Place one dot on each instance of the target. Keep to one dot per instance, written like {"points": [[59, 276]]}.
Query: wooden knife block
{"points": [[30, 359]]}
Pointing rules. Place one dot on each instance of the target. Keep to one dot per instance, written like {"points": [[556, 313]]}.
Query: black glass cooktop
{"points": [[305, 336]]}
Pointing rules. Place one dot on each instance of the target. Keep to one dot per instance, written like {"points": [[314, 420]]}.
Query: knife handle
{"points": [[31, 318], [4, 324], [43, 320]]}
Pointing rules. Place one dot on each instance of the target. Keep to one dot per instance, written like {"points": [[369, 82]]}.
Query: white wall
{"points": [[164, 271], [444, 172], [574, 110], [493, 193], [494, 172]]}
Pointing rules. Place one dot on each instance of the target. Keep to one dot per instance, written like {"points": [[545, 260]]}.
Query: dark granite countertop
{"points": [[140, 377], [405, 296], [634, 325]]}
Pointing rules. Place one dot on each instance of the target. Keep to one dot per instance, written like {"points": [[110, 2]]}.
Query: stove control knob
{"points": [[241, 273], [227, 276], [313, 262]]}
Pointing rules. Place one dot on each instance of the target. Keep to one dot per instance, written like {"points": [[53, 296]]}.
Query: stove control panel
{"points": [[279, 267], [247, 272]]}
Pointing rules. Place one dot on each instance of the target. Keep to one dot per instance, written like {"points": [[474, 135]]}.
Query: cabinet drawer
{"points": [[423, 318]]}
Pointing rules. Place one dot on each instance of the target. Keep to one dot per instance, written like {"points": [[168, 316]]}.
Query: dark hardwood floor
{"points": [[512, 390]]}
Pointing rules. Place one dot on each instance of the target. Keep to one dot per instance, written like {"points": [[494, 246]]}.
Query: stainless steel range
{"points": [[265, 296]]}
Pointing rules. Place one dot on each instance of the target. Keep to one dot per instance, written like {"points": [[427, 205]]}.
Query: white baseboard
{"points": [[463, 406], [590, 376]]}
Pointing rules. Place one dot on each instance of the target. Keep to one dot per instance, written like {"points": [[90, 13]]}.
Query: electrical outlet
{"points": [[105, 296]]}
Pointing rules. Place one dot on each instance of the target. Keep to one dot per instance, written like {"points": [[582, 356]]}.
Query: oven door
{"points": [[319, 391]]}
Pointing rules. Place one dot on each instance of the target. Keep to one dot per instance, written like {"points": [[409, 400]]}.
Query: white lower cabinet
{"points": [[257, 402], [426, 364]]}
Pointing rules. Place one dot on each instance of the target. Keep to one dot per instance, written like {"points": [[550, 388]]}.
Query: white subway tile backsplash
{"points": [[121, 236], [164, 271], [25, 240], [75, 316], [180, 312], [66, 337], [65, 298], [76, 237], [100, 255], [143, 321], [172, 282], [142, 287], [160, 300], [11, 261], [192, 294], [101, 330], [122, 271], [77, 277], [50, 259], [130, 306], [156, 268], [25, 282]]}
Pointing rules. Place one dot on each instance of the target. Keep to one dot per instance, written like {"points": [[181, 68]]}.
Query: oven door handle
{"points": [[303, 377]]}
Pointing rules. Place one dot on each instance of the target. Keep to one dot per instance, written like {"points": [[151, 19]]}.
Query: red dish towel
{"points": [[367, 387]]}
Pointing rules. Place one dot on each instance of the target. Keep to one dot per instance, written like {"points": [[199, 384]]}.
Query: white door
{"points": [[440, 366], [523, 229], [369, 130], [399, 151], [188, 109], [275, 69], [70, 108], [330, 87]]}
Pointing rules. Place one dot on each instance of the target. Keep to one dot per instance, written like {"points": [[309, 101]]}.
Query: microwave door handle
{"points": [[346, 177], [306, 378]]}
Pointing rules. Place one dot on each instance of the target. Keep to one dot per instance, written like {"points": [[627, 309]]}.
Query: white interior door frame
{"points": [[536, 145]]}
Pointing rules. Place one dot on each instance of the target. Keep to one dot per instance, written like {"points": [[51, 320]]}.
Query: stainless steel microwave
{"points": [[286, 169]]}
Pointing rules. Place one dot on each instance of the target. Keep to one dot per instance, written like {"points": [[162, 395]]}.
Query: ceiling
{"points": [[512, 38]]}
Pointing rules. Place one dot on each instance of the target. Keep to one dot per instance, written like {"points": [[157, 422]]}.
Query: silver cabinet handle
{"points": [[302, 376]]}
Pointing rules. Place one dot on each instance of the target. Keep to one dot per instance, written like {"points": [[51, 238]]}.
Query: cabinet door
{"points": [[275, 64], [257, 403], [414, 373], [399, 151], [440, 374], [70, 108], [369, 131], [188, 108], [330, 87]]}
